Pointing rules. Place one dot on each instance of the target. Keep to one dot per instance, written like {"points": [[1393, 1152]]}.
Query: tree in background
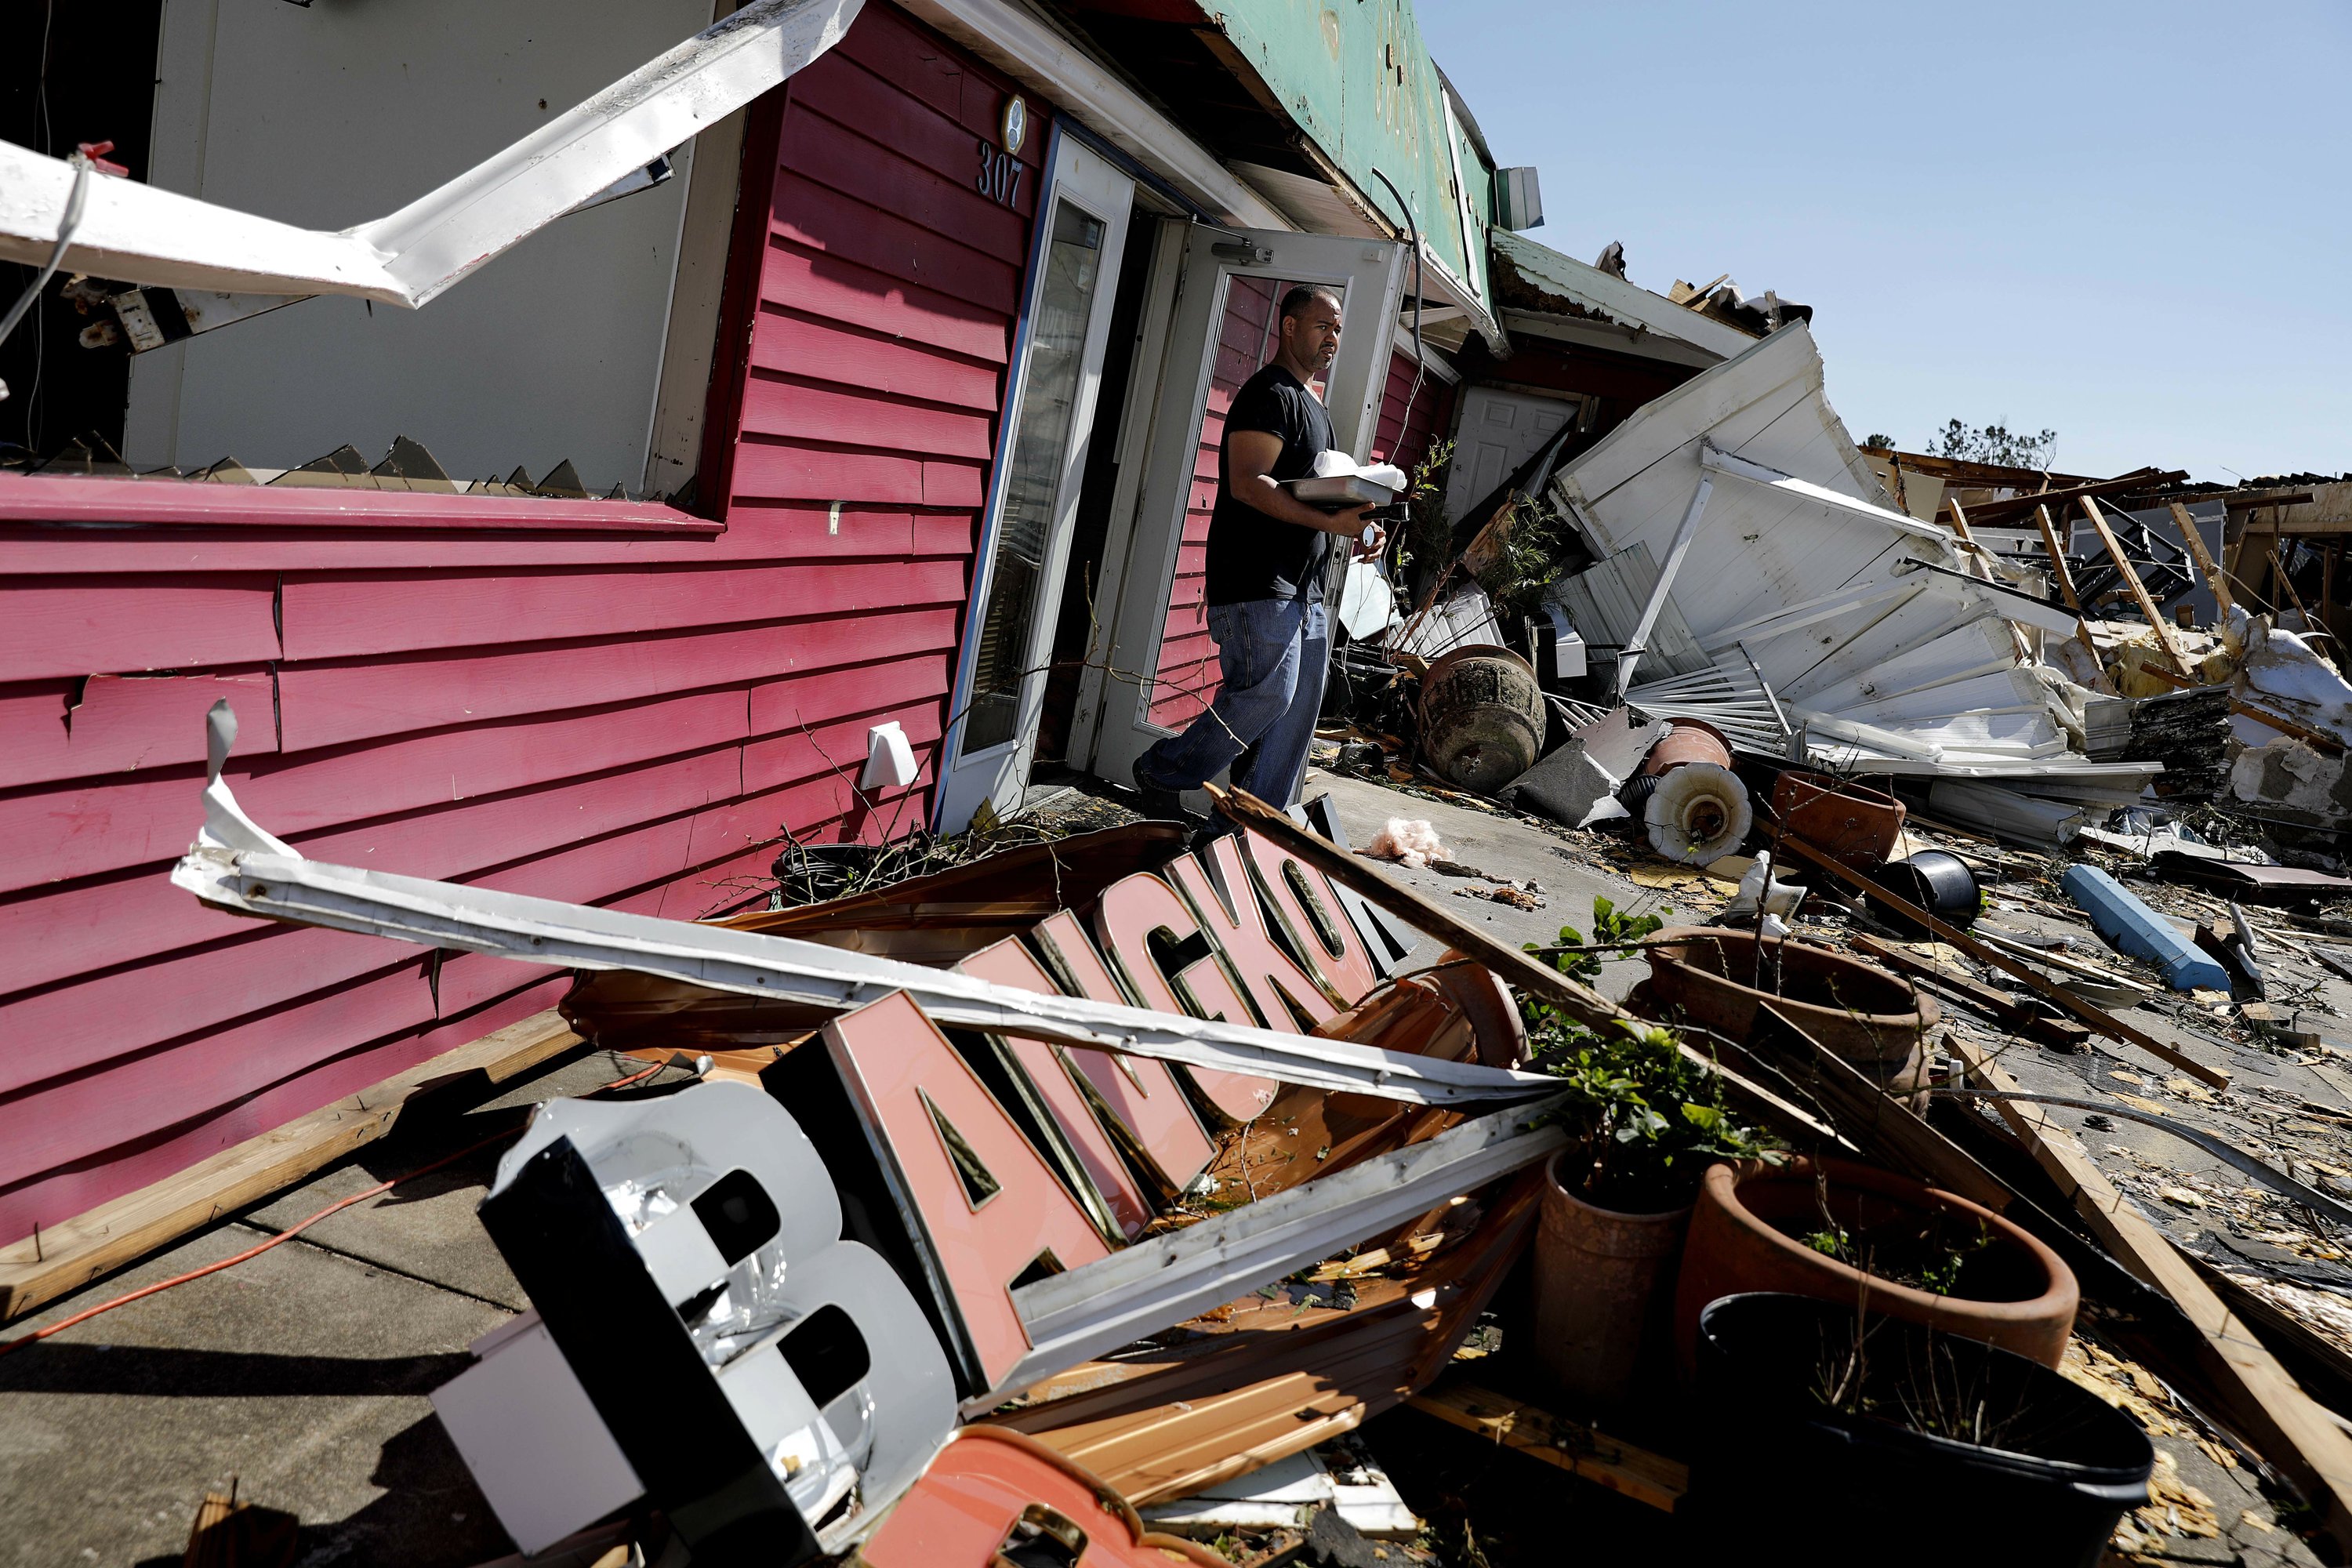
{"points": [[1994, 444]]}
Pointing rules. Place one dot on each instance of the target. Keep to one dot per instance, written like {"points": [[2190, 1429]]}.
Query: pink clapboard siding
{"points": [[1188, 656], [607, 703], [1411, 419]]}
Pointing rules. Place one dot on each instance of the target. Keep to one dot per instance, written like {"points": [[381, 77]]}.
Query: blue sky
{"points": [[2133, 223]]}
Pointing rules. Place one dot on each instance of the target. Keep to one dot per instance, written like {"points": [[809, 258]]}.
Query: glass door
{"points": [[1042, 457], [1159, 667]]}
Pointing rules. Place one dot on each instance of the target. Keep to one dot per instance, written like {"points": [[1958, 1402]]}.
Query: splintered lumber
{"points": [[2265, 1406], [1989, 513], [64, 1257], [2065, 1034], [1606, 1461], [1580, 1002], [1881, 1125], [2065, 577], [2139, 589], [2098, 1018], [2214, 576]]}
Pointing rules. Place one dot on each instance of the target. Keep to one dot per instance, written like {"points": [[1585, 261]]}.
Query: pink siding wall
{"points": [[1188, 656], [476, 691], [1404, 431]]}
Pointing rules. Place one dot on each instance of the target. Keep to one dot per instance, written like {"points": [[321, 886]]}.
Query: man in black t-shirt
{"points": [[1266, 555]]}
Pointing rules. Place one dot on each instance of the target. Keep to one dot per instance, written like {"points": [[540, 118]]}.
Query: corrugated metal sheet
{"points": [[1604, 604]]}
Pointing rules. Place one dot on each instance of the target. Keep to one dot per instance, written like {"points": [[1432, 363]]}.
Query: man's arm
{"points": [[1250, 457]]}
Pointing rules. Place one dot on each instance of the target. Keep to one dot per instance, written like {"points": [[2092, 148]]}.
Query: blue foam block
{"points": [[2141, 931]]}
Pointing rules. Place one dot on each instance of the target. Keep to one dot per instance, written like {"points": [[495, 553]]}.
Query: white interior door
{"points": [[1498, 431], [1156, 667], [1042, 457]]}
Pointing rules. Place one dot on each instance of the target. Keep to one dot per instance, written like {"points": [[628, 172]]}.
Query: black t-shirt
{"points": [[1252, 555]]}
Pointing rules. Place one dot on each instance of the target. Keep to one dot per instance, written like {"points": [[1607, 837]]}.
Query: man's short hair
{"points": [[1293, 302]]}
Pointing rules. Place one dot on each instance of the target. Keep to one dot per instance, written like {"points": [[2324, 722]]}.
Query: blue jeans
{"points": [[1272, 655]]}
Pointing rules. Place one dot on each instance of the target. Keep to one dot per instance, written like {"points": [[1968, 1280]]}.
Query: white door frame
{"points": [[1112, 727], [996, 775]]}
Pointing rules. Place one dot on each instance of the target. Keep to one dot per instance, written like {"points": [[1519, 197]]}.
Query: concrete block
{"points": [[2141, 931]]}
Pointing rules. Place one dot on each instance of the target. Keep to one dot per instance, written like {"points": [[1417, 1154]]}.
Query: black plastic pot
{"points": [[1937, 881], [1784, 1477]]}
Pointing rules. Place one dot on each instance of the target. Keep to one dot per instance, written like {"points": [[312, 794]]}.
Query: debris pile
{"points": [[1096, 1180]]}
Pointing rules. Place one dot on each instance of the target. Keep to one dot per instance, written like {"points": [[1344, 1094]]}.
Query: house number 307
{"points": [[999, 175]]}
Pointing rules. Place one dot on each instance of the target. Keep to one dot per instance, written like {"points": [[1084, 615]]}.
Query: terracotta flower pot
{"points": [[1603, 1282], [2023, 1296], [1856, 1009]]}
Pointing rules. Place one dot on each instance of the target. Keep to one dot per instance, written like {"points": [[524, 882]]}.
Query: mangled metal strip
{"points": [[237, 866], [139, 234], [1077, 1315]]}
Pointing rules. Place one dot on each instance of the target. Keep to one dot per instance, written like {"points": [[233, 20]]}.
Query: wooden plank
{"points": [[348, 615], [948, 483], [68, 1027], [868, 102], [68, 729], [2097, 1018], [794, 756], [327, 704], [1513, 1424], [947, 205], [812, 214], [2148, 605], [800, 286], [2263, 1404], [773, 468], [68, 1118], [89, 1246], [2069, 1035], [112, 624], [913, 57], [2215, 578], [2066, 583], [84, 830], [813, 412], [821, 696], [1989, 513], [58, 934], [845, 351], [51, 498]]}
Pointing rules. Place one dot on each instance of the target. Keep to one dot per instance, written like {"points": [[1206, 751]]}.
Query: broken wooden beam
{"points": [[2259, 1401], [2063, 1034], [64, 1257], [2098, 1018], [1514, 1424], [1580, 1002]]}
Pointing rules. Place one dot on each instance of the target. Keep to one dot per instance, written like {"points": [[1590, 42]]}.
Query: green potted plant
{"points": [[1616, 1204]]}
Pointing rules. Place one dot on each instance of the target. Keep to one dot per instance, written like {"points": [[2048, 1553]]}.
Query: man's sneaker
{"points": [[1155, 801]]}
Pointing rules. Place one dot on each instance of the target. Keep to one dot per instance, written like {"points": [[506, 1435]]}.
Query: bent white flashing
{"points": [[138, 234], [237, 866]]}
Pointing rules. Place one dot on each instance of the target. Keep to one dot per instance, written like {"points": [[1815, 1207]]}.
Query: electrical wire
{"points": [[289, 1234], [293, 1230]]}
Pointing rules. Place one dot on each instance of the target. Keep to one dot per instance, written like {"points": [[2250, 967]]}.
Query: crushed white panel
{"points": [[139, 234], [235, 865], [1287, 1493], [1865, 623], [535, 1444]]}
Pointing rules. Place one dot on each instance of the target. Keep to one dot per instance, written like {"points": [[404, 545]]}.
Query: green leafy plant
{"points": [[1653, 1116], [1609, 928], [1426, 537]]}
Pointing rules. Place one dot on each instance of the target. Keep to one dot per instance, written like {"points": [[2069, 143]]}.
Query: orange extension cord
{"points": [[290, 1232]]}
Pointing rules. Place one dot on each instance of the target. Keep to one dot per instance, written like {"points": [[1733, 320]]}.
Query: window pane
{"points": [[1041, 442]]}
